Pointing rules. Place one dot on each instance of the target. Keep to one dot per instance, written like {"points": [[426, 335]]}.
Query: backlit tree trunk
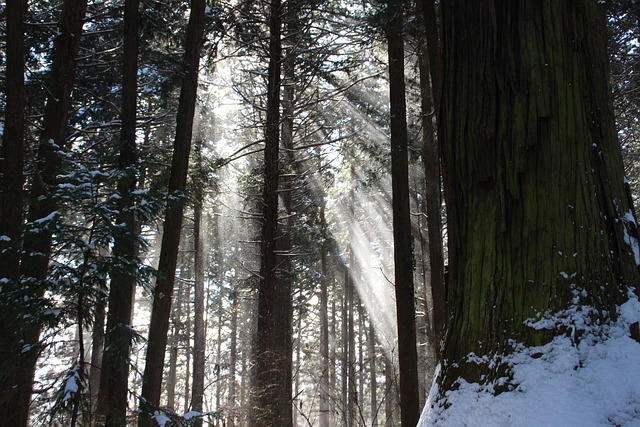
{"points": [[199, 338], [97, 352], [390, 403], [272, 369], [115, 367], [348, 344], [12, 155], [430, 80], [159, 324], [538, 215], [373, 396], [174, 346], [233, 360], [402, 239], [21, 349], [325, 415], [11, 201]]}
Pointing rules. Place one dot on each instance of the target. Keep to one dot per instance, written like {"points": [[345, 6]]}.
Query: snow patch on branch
{"points": [[630, 233]]}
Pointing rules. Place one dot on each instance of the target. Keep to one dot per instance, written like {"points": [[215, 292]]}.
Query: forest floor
{"points": [[590, 382]]}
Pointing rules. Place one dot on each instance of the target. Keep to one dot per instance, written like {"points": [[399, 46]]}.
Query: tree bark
{"points": [[22, 347], [174, 347], [348, 365], [11, 205], [218, 367], [159, 324], [402, 239], [390, 402], [344, 365], [373, 398], [199, 338], [97, 352], [272, 370], [233, 360], [115, 366], [431, 35], [187, 351], [538, 213], [325, 409], [12, 159], [430, 78]]}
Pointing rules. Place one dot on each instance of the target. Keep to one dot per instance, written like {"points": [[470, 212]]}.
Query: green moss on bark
{"points": [[533, 174]]}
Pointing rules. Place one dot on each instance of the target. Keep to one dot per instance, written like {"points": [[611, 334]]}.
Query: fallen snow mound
{"points": [[591, 384]]}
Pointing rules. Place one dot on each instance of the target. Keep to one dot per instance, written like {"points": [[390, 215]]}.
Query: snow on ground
{"points": [[594, 383]]}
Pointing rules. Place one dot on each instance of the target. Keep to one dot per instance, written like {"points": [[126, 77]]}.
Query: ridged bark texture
{"points": [[538, 214]]}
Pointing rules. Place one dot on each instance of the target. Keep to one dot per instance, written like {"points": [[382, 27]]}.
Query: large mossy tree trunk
{"points": [[538, 214]]}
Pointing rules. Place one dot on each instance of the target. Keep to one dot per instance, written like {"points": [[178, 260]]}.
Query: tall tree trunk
{"points": [[172, 374], [11, 205], [298, 367], [187, 350], [97, 349], [433, 202], [426, 343], [159, 324], [12, 155], [22, 347], [402, 239], [246, 336], [285, 240], [344, 366], [325, 409], [174, 347], [272, 370], [431, 35], [199, 338], [371, 349], [348, 336], [233, 360], [534, 176], [333, 369], [352, 396], [218, 367], [359, 398], [114, 374], [390, 403]]}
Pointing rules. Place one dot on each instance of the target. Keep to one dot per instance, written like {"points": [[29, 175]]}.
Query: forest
{"points": [[319, 213]]}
